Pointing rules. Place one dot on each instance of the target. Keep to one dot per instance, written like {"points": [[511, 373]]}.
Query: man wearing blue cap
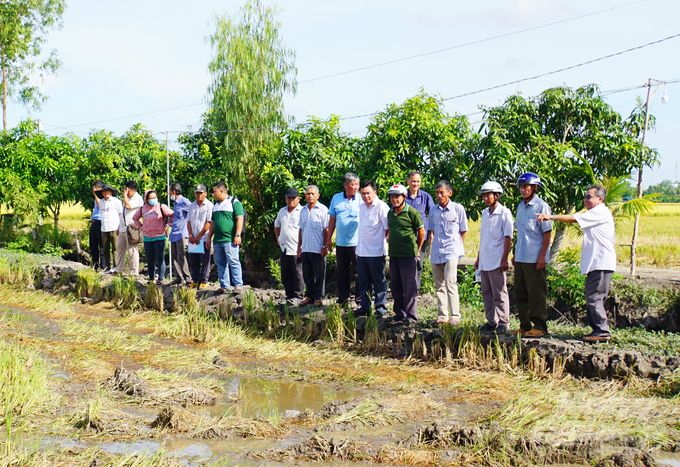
{"points": [[531, 255]]}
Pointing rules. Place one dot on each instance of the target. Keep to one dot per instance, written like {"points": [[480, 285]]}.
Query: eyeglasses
{"points": [[590, 196]]}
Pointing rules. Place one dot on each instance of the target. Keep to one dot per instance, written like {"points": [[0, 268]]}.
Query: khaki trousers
{"points": [[446, 288]]}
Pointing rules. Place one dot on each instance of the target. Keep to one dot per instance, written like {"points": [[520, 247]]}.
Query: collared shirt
{"points": [[179, 221], [346, 213], [372, 227], [423, 203], [598, 252], [529, 231], [96, 215], [136, 202], [110, 210], [289, 223], [495, 227], [447, 223], [199, 215], [403, 242], [312, 223], [224, 216]]}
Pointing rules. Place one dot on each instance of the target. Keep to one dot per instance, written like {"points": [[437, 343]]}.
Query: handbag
{"points": [[134, 235]]}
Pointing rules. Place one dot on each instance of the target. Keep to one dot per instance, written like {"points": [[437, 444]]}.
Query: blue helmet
{"points": [[529, 178]]}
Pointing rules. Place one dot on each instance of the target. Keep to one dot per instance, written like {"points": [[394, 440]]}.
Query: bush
{"points": [[469, 291], [566, 283]]}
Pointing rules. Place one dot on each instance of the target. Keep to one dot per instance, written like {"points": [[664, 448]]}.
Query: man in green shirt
{"points": [[225, 235], [406, 237]]}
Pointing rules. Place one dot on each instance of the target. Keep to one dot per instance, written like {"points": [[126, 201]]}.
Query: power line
{"points": [[467, 44]]}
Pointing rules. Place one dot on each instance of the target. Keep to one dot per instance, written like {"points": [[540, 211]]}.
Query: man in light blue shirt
{"points": [[531, 255], [447, 227], [311, 247], [179, 235], [344, 219]]}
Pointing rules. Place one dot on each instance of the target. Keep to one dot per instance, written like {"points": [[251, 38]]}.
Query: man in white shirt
{"points": [[198, 227], [110, 209], [598, 257], [495, 242], [371, 250], [287, 230], [131, 202]]}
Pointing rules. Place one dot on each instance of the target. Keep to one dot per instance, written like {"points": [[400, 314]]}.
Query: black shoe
{"points": [[487, 327]]}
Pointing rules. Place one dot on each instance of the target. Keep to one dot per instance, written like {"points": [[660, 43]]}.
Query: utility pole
{"points": [[650, 82], [167, 172]]}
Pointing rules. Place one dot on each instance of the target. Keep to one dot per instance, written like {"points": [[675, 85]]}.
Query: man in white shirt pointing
{"points": [[598, 256]]}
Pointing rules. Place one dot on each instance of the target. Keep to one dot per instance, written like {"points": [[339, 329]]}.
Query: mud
{"points": [[131, 384]]}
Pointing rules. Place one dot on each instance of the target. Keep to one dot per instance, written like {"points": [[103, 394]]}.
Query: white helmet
{"points": [[491, 187], [397, 189]]}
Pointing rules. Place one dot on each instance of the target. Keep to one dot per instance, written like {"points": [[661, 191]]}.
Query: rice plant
{"points": [[88, 284], [153, 298], [334, 327], [124, 295]]}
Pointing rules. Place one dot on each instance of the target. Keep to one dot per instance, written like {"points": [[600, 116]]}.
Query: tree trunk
{"points": [[4, 92], [55, 216]]}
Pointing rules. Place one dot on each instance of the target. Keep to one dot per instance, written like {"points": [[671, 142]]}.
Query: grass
{"points": [[105, 339]]}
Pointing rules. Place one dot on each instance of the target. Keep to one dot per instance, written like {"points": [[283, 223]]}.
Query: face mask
{"points": [[173, 198], [153, 201]]}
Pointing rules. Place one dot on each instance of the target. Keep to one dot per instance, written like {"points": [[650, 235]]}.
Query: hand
{"points": [[237, 240], [476, 264], [192, 240], [504, 264], [324, 251], [207, 245], [540, 264], [543, 217], [299, 252]]}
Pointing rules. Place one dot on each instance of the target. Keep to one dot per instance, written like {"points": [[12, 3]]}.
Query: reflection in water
{"points": [[261, 397]]}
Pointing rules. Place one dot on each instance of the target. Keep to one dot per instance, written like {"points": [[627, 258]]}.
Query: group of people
{"points": [[194, 229], [368, 230]]}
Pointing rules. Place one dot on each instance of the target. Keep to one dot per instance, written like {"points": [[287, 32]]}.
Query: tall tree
{"points": [[251, 71], [24, 25]]}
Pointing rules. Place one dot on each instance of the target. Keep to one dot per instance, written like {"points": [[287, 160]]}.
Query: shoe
{"points": [[595, 338], [534, 333], [318, 302], [502, 330], [221, 290], [189, 285], [454, 321], [203, 286], [442, 319], [159, 283], [519, 332], [306, 301], [488, 327]]}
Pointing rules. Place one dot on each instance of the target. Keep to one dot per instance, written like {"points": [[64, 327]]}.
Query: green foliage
{"points": [[88, 283], [667, 191], [251, 72], [565, 281], [274, 269], [426, 278], [24, 26], [469, 291]]}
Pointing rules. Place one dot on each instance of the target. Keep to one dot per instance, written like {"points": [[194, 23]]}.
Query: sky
{"points": [[145, 61]]}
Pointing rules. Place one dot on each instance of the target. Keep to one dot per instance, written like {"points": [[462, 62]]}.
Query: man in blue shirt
{"points": [[448, 224], [96, 229], [179, 235], [344, 218], [422, 202], [531, 255]]}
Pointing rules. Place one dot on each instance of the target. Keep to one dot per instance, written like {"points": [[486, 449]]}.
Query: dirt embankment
{"points": [[426, 341]]}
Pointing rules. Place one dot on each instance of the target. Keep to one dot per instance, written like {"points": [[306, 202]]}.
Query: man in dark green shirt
{"points": [[407, 234], [225, 235]]}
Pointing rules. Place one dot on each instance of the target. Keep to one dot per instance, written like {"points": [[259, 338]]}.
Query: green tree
{"points": [[251, 72], [24, 25], [570, 137], [418, 135], [667, 191]]}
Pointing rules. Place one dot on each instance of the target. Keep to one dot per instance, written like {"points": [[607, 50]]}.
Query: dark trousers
{"points": [[180, 264], [531, 288], [597, 289], [199, 264], [291, 275], [314, 274], [109, 240], [371, 278], [403, 280], [346, 263], [95, 242], [154, 252]]}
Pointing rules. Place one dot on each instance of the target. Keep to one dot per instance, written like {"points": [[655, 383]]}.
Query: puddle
{"points": [[668, 459], [250, 397]]}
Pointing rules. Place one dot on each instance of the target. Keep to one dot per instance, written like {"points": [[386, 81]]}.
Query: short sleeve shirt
{"points": [[494, 228], [423, 203], [224, 216], [346, 213], [372, 227], [289, 223], [136, 202], [403, 242], [313, 222], [530, 231], [180, 218], [447, 223], [199, 215], [110, 211], [599, 235]]}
